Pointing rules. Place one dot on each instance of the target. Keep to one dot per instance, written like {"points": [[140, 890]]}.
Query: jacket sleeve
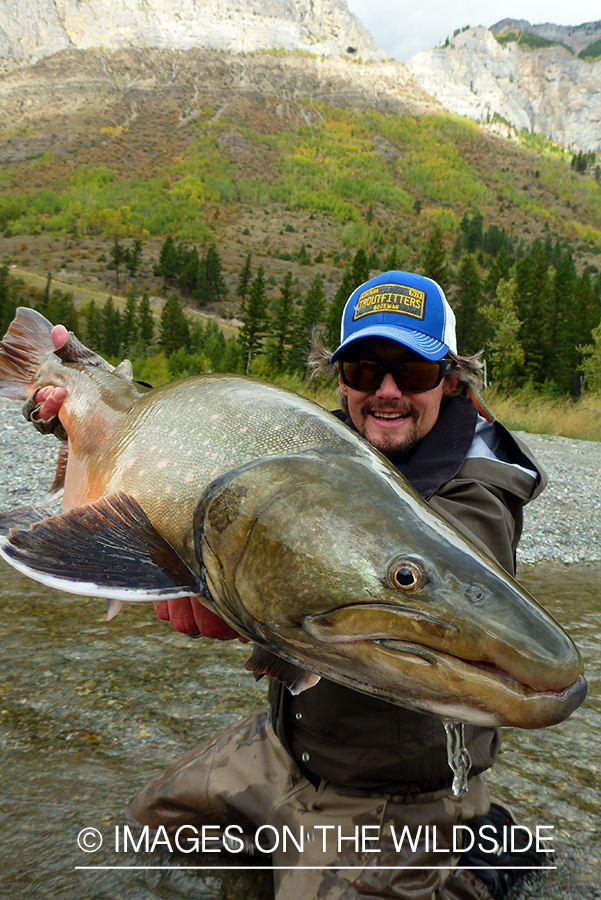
{"points": [[485, 502]]}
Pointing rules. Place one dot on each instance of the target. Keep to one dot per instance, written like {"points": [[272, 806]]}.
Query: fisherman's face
{"points": [[393, 420]]}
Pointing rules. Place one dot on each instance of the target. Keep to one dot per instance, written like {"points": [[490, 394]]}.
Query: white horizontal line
{"points": [[317, 868]]}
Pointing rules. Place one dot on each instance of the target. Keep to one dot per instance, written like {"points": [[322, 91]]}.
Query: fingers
{"points": [[51, 399], [59, 335], [189, 616]]}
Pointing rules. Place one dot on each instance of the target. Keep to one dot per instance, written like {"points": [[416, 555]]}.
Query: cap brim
{"points": [[422, 344]]}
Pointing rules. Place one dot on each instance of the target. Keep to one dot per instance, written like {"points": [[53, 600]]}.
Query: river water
{"points": [[90, 711]]}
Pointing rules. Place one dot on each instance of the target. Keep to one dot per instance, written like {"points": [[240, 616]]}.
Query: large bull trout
{"points": [[292, 529]]}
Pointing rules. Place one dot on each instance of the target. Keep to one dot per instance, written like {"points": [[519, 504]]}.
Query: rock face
{"points": [[38, 28], [548, 91]]}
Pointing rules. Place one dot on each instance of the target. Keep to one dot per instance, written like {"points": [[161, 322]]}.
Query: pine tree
{"points": [[94, 326], [173, 329], [283, 321], [254, 319], [360, 268], [128, 320], [111, 329], [471, 327], [312, 313], [118, 258], [168, 260], [534, 311], [335, 310], [435, 265], [144, 322], [245, 277], [214, 275]]}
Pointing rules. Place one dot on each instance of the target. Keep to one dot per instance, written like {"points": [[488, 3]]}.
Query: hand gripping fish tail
{"points": [[291, 528]]}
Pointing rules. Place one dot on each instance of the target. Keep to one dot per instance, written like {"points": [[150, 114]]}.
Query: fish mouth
{"points": [[426, 669]]}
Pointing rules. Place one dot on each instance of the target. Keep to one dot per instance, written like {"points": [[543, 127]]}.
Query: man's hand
{"points": [[188, 615]]}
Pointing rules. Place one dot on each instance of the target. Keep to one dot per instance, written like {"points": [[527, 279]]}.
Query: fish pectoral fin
{"points": [[108, 548], [264, 662]]}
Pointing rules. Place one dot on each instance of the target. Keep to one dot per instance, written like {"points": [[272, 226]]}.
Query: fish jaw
{"points": [[298, 555]]}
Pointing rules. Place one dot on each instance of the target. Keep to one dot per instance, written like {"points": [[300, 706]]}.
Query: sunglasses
{"points": [[411, 375]]}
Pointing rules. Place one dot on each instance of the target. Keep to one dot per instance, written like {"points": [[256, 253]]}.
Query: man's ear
{"points": [[342, 386], [450, 383]]}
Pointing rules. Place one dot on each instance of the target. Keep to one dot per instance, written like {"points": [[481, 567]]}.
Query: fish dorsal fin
{"points": [[73, 351], [107, 548], [58, 483], [124, 370], [264, 662], [26, 341]]}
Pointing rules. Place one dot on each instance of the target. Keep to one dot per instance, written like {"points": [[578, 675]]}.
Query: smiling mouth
{"points": [[389, 417]]}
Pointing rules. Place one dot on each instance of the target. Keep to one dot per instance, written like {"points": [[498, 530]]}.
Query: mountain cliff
{"points": [[504, 77], [37, 28]]}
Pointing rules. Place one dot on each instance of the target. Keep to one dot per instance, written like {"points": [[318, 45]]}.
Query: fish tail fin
{"points": [[26, 341]]}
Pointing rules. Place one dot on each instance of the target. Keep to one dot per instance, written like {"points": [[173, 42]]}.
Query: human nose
{"points": [[388, 387]]}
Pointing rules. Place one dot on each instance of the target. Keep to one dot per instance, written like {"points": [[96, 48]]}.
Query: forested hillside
{"points": [[292, 200]]}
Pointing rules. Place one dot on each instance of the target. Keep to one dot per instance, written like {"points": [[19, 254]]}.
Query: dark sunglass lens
{"points": [[417, 375], [362, 374]]}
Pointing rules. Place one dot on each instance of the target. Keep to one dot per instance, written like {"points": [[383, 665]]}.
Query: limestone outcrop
{"points": [[549, 91], [38, 28]]}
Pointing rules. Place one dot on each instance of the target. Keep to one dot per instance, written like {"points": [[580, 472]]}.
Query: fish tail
{"points": [[26, 341]]}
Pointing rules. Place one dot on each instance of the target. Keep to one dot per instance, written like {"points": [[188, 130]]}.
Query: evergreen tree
{"points": [[335, 310], [435, 263], [202, 290], [144, 322], [563, 357], [312, 313], [118, 258], [174, 332], [470, 327], [283, 322], [111, 329], [188, 273], [254, 319], [168, 260], [592, 361], [214, 275], [393, 260], [133, 258], [94, 326], [128, 321], [533, 309], [360, 268], [245, 277]]}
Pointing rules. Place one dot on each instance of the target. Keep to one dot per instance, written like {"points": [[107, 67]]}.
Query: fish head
{"points": [[338, 566]]}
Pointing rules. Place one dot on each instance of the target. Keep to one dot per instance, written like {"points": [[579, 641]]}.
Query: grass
{"points": [[525, 411]]}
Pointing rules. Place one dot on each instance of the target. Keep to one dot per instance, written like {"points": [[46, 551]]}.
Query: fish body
{"points": [[293, 529]]}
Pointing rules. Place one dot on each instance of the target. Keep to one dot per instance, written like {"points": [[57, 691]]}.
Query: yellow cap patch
{"points": [[392, 298]]}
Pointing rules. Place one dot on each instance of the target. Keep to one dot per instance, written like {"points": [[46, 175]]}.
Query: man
{"points": [[331, 760]]}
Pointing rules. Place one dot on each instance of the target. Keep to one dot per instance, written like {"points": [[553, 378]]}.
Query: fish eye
{"points": [[407, 576]]}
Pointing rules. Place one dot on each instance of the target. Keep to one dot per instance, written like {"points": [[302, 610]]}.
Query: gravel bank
{"points": [[564, 523]]}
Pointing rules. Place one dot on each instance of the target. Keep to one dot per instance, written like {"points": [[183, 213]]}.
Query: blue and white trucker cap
{"points": [[403, 307]]}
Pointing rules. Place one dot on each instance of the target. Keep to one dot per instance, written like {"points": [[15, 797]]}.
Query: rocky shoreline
{"points": [[563, 524]]}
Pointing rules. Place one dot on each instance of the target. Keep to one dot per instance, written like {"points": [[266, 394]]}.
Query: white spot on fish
{"points": [[215, 416], [163, 463], [168, 490], [189, 478], [243, 430], [189, 453], [131, 463], [171, 433]]}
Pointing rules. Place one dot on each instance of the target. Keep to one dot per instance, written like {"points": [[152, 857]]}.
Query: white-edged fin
{"points": [[264, 662], [113, 608], [107, 548]]}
